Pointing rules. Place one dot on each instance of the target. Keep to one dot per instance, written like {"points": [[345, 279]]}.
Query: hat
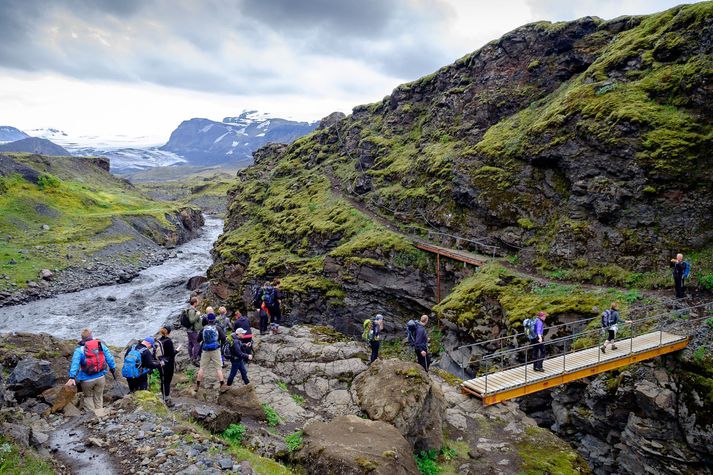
{"points": [[210, 317], [543, 314], [150, 340], [379, 317], [240, 331]]}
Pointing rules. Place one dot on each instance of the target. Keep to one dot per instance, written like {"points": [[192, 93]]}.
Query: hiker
{"points": [[420, 342], [680, 269], [90, 362], [211, 339], [138, 363], [610, 318], [372, 334], [273, 301], [261, 311], [166, 352], [193, 324], [242, 322], [235, 351], [223, 319], [538, 342]]}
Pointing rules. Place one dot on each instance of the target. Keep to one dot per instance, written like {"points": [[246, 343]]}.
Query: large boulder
{"points": [[402, 394], [349, 445], [31, 377], [242, 400]]}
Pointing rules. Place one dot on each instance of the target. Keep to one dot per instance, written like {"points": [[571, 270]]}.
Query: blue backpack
{"points": [[210, 338], [686, 269], [132, 364], [268, 296]]}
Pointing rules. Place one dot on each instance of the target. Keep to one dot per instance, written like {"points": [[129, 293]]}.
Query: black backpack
{"points": [[411, 327], [608, 318], [185, 321]]}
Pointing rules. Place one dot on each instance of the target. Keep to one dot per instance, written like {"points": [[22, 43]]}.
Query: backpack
{"points": [[132, 363], [530, 329], [257, 296], [185, 321], [227, 350], [411, 327], [367, 334], [607, 319], [94, 360], [686, 269], [210, 338], [268, 296]]}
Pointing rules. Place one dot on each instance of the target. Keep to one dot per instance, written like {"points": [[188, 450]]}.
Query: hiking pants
{"points": [[167, 375], [138, 384], [275, 314], [93, 390], [680, 290], [375, 344], [538, 353], [424, 361], [238, 365], [264, 320], [193, 346]]}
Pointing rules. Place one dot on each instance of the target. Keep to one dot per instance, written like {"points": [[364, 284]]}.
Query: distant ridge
{"points": [[35, 145], [11, 134]]}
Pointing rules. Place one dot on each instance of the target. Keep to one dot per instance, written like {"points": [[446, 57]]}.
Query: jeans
{"points": [[238, 365], [680, 289], [375, 344], [193, 346]]}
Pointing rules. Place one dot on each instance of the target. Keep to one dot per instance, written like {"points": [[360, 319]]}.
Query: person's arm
{"points": [[74, 367], [109, 359], [148, 361], [221, 336]]}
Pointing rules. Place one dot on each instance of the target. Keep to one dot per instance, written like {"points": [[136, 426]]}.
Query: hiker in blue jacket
{"points": [[90, 362], [680, 270], [145, 364], [420, 343], [238, 356]]}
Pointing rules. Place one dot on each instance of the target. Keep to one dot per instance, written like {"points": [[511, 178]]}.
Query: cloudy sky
{"points": [[140, 67]]}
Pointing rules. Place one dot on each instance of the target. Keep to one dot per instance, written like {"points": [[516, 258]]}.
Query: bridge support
{"points": [[438, 278]]}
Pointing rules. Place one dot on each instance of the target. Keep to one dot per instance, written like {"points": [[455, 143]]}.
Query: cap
{"points": [[210, 316], [543, 314], [379, 317], [240, 331], [150, 340]]}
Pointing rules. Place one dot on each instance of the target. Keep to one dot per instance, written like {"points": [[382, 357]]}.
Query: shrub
{"points": [[709, 322], [294, 441], [427, 462], [235, 433], [706, 281], [273, 419], [48, 182]]}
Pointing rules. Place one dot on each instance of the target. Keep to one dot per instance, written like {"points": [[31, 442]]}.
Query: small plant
{"points": [[709, 322], [271, 416], [706, 281], [48, 182], [558, 274], [700, 354], [294, 441], [282, 385], [235, 433], [298, 399], [154, 382], [427, 462], [191, 375]]}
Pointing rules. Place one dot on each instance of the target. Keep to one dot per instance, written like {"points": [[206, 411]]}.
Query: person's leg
{"points": [[167, 377], [192, 343], [132, 384], [88, 392], [262, 316], [233, 372], [421, 360], [143, 382], [540, 350], [533, 353], [99, 393], [217, 363], [204, 365], [678, 282], [243, 371]]}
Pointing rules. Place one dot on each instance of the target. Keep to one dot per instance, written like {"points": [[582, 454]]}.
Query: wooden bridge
{"points": [[501, 383]]}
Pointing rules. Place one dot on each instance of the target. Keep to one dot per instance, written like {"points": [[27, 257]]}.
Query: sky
{"points": [[137, 68]]}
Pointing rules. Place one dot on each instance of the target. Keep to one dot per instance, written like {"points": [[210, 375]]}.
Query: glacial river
{"points": [[141, 307]]}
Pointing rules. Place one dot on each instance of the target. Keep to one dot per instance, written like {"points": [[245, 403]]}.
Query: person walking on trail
{"points": [[194, 327], [261, 311], [420, 343], [610, 319], [166, 353], [242, 322], [90, 362], [681, 269], [538, 349], [138, 363], [238, 356], [273, 300], [372, 334], [211, 339]]}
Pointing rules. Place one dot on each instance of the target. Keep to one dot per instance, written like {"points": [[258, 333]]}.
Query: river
{"points": [[141, 307]]}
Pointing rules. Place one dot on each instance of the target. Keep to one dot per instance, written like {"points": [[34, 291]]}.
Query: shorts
{"points": [[210, 360]]}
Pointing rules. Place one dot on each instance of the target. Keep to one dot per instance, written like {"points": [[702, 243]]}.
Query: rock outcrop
{"points": [[30, 377]]}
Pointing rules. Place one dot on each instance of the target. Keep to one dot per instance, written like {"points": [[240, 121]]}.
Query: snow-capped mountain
{"points": [[11, 134], [232, 141]]}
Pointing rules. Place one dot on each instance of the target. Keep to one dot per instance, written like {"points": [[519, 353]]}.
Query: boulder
{"points": [[30, 377], [18, 432], [349, 445], [196, 281], [213, 417], [243, 401], [46, 274], [401, 393]]}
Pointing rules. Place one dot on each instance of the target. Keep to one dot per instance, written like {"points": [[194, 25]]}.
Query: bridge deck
{"points": [[522, 380], [462, 256]]}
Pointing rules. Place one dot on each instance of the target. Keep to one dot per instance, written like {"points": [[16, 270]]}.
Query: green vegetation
{"points": [[235, 433], [542, 453], [76, 202], [271, 416], [17, 461], [434, 462], [294, 441]]}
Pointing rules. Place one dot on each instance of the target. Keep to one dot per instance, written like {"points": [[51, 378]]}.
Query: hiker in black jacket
{"points": [[421, 343], [680, 270], [238, 357], [148, 364], [166, 353]]}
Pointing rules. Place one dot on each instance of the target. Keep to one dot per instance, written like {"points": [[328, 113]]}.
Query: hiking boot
{"points": [[540, 370], [223, 388], [604, 349], [169, 402], [613, 347]]}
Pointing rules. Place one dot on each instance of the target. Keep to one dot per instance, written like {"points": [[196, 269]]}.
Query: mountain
{"points": [[11, 134], [206, 142], [581, 150], [34, 145]]}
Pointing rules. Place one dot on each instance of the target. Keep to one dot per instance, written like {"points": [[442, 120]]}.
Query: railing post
{"points": [[486, 377], [564, 358], [631, 340], [527, 350]]}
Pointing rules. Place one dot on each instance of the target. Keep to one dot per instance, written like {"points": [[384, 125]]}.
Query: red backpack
{"points": [[94, 360]]}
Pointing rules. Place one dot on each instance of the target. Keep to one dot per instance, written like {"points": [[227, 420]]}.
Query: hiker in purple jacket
{"points": [[538, 351]]}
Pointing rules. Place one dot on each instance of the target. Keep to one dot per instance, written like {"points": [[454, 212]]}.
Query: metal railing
{"points": [[642, 326]]}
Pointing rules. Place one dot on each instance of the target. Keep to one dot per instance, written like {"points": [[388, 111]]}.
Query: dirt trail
{"points": [[68, 444]]}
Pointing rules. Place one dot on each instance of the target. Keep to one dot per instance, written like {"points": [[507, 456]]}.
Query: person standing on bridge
{"points": [[610, 319], [538, 351], [680, 269]]}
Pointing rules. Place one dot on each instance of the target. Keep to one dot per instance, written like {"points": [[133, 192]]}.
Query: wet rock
{"points": [[401, 393], [46, 274], [18, 432], [196, 281], [111, 298], [38, 439], [30, 377], [349, 445]]}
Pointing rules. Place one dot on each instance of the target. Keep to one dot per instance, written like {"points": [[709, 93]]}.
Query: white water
{"points": [[156, 295]]}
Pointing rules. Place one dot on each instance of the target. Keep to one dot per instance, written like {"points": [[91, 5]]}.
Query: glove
{"points": [[113, 373]]}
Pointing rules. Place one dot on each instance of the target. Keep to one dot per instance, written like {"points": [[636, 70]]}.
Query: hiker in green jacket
{"points": [[196, 325]]}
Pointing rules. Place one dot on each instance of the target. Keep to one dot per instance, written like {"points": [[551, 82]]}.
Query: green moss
{"points": [[525, 223], [17, 461], [542, 453], [150, 402], [447, 377], [366, 464]]}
